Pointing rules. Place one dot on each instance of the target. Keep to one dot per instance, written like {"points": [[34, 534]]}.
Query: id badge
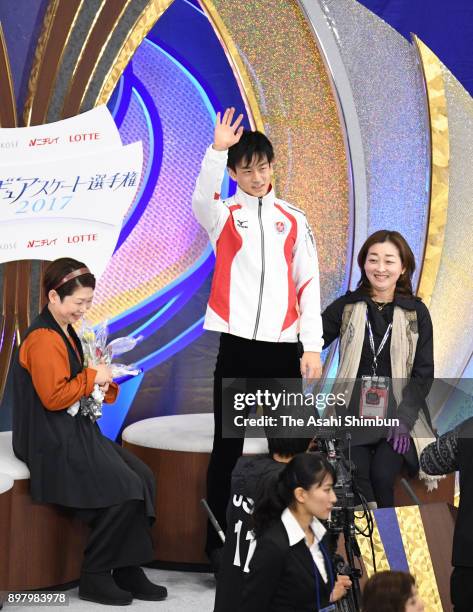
{"points": [[330, 608], [374, 396]]}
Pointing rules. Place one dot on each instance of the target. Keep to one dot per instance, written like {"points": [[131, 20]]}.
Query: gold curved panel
{"points": [[440, 143], [122, 11], [8, 116], [278, 63], [58, 24], [235, 61], [38, 58], [142, 26], [451, 300], [83, 49]]}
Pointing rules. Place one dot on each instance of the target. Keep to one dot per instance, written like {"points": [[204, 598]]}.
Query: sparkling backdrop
{"points": [[301, 119], [391, 109], [167, 240], [154, 277]]}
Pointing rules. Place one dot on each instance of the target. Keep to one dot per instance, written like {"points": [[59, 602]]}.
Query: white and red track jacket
{"points": [[266, 280]]}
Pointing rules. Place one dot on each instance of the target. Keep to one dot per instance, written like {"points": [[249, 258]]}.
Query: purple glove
{"points": [[399, 438]]}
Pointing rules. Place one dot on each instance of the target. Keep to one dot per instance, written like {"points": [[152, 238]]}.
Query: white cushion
{"points": [[191, 433], [6, 483], [9, 464]]}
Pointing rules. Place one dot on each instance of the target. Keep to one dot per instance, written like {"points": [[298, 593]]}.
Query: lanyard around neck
{"points": [[376, 353], [328, 567]]}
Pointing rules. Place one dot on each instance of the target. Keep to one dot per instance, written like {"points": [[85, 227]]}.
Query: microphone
{"points": [[410, 492], [213, 520]]}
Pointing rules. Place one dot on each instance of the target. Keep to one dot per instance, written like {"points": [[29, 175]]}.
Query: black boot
{"points": [[134, 579], [101, 588]]}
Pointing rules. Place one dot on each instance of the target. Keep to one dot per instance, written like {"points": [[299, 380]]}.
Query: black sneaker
{"points": [[102, 588], [134, 579]]}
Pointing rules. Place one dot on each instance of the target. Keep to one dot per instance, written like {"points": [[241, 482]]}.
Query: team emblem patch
{"points": [[280, 227]]}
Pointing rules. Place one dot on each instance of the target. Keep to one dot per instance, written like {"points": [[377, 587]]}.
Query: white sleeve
{"points": [[305, 272], [207, 205]]}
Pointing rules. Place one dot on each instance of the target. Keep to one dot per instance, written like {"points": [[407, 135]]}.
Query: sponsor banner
{"points": [[68, 207], [78, 136]]}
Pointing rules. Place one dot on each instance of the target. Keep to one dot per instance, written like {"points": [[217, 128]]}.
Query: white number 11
{"points": [[251, 549]]}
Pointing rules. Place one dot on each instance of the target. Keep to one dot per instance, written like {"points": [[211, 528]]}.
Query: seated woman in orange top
{"points": [[71, 463]]}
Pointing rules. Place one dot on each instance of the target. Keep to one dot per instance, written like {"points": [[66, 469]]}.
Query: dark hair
{"points": [[388, 592], [287, 447], [277, 493], [60, 268], [404, 282], [251, 145]]}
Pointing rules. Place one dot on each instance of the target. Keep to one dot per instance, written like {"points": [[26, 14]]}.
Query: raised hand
{"points": [[226, 134]]}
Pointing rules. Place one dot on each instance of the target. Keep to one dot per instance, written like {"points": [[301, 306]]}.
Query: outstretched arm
{"points": [[206, 203], [441, 456]]}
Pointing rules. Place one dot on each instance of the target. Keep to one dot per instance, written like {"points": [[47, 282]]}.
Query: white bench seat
{"points": [[6, 483], [177, 449], [9, 464], [191, 433]]}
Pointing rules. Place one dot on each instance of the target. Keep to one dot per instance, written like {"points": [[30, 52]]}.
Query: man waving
{"points": [[265, 289]]}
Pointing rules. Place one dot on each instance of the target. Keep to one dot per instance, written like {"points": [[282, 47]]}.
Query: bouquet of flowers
{"points": [[96, 351]]}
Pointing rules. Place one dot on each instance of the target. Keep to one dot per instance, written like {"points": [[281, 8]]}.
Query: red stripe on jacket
{"points": [[291, 313], [228, 245], [299, 295]]}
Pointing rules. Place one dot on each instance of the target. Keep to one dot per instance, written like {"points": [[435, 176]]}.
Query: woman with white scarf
{"points": [[386, 359]]}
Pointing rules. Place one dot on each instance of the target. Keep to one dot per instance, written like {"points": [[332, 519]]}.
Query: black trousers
{"points": [[239, 358], [120, 536], [377, 466], [461, 589]]}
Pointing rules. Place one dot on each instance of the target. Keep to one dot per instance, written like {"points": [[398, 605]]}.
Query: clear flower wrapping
{"points": [[96, 351]]}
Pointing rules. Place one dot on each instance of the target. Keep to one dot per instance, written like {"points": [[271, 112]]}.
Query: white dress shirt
{"points": [[295, 533]]}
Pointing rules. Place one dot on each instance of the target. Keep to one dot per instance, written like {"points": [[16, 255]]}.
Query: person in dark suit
{"points": [[291, 570], [248, 476]]}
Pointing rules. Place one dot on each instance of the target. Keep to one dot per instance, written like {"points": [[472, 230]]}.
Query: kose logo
{"points": [[7, 246]]}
